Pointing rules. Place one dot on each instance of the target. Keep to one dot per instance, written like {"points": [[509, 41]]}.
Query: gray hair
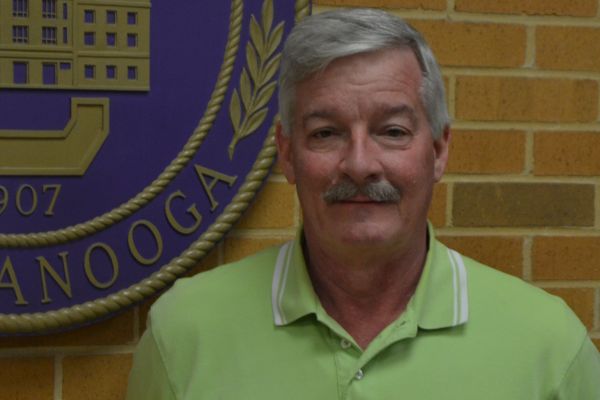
{"points": [[322, 38]]}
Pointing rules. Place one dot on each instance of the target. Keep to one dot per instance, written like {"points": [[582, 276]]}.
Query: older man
{"points": [[365, 303]]}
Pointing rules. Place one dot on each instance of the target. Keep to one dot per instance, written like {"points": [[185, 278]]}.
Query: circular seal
{"points": [[132, 137]]}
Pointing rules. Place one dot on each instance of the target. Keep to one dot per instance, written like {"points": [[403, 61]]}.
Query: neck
{"points": [[365, 293]]}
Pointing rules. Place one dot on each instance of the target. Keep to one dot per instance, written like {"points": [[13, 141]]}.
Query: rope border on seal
{"points": [[106, 220], [78, 314]]}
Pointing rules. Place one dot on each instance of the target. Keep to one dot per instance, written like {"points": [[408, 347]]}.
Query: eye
{"points": [[323, 133], [397, 132]]}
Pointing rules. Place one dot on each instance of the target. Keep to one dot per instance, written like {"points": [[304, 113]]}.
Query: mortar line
{"points": [[518, 231], [461, 16], [58, 376], [450, 7], [520, 178], [277, 178], [262, 233], [567, 284], [530, 48], [36, 352], [520, 72], [541, 126], [512, 19]]}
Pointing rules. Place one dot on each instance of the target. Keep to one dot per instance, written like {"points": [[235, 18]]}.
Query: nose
{"points": [[361, 159]]}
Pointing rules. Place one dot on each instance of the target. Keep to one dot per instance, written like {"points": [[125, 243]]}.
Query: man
{"points": [[365, 303]]}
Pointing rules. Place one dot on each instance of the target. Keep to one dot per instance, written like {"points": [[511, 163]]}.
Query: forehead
{"points": [[362, 81]]}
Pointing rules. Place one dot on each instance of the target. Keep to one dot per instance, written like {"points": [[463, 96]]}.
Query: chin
{"points": [[365, 236]]}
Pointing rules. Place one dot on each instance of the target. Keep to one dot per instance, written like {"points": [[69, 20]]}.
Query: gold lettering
{"points": [[217, 176], [191, 210], [3, 199], [113, 261], [157, 238], [13, 284], [55, 191], [65, 284], [34, 200]]}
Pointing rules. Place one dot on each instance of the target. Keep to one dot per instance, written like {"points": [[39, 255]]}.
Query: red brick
{"points": [[578, 8], [503, 253], [273, 208], [27, 379], [568, 48], [95, 377], [437, 211], [472, 44], [113, 331], [581, 301], [237, 248], [523, 204], [486, 98], [566, 258], [486, 152], [405, 4], [567, 153]]}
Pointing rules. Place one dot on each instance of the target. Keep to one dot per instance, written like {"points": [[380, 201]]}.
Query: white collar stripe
{"points": [[276, 284], [286, 268], [461, 296], [464, 293], [454, 286]]}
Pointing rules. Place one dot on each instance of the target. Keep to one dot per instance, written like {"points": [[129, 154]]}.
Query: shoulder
{"points": [[514, 299], [523, 318], [216, 297]]}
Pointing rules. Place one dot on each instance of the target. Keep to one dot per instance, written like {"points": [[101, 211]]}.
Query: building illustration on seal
{"points": [[75, 44]]}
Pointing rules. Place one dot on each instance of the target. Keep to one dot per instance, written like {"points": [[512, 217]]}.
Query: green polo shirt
{"points": [[255, 329]]}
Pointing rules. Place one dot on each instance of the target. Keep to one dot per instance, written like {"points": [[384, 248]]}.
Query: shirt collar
{"points": [[440, 300]]}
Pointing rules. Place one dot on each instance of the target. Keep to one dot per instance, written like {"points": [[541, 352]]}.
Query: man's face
{"points": [[361, 121]]}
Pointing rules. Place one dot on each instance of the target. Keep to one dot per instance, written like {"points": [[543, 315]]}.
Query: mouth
{"points": [[361, 199]]}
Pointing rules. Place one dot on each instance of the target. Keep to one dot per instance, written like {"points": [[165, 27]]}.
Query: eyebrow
{"points": [[317, 114], [402, 110], [384, 111]]}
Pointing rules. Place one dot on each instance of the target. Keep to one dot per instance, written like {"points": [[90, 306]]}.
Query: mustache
{"points": [[381, 191]]}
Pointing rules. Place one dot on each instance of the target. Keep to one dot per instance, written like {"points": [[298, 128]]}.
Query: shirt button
{"points": [[359, 375], [345, 344]]}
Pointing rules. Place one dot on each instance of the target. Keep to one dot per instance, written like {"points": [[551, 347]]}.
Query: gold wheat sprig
{"points": [[247, 108]]}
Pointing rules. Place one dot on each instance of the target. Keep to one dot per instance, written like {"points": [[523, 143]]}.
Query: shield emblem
{"points": [[132, 137]]}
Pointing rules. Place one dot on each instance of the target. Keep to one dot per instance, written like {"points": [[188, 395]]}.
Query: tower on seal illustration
{"points": [[75, 44]]}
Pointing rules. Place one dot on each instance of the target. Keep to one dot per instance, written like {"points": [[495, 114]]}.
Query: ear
{"points": [[284, 153], [440, 148]]}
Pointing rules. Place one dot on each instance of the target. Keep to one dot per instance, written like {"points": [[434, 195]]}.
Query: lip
{"points": [[360, 200]]}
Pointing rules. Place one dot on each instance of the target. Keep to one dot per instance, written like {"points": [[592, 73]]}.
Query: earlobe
{"points": [[284, 154], [440, 147]]}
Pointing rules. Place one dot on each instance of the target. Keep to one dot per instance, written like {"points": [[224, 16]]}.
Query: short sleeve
{"points": [[148, 379], [582, 379]]}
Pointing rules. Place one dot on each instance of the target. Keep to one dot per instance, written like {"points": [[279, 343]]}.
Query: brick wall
{"points": [[522, 191]]}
